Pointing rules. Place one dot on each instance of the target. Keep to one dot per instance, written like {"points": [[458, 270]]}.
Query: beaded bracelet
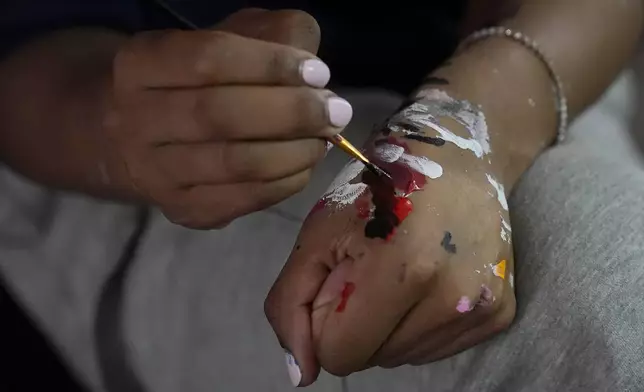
{"points": [[561, 102]]}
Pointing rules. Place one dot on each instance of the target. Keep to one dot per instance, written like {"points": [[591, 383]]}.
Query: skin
{"points": [[403, 309], [76, 114], [206, 125]]}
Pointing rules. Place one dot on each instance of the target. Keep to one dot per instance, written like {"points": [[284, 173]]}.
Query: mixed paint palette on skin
{"points": [[384, 203]]}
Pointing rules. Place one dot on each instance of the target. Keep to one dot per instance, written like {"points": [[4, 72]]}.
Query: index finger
{"points": [[288, 310], [185, 59]]}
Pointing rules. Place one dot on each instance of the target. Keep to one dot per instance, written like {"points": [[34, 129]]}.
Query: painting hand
{"points": [[212, 125]]}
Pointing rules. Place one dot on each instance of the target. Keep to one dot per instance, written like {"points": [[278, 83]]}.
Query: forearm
{"points": [[588, 44], [53, 97]]}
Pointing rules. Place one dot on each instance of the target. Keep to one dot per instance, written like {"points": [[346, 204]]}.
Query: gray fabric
{"points": [[192, 308]]}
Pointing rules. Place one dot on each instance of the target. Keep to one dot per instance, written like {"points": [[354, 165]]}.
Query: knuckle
{"points": [[421, 269]]}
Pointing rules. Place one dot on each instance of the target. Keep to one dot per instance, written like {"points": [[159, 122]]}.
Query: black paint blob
{"points": [[384, 220], [446, 243], [390, 210], [436, 141]]}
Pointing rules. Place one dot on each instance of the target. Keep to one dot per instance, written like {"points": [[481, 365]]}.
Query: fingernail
{"points": [[340, 111], [294, 372], [315, 73], [329, 146]]}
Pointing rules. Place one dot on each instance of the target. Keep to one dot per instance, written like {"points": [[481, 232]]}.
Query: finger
{"points": [[182, 59], [487, 326], [433, 343], [242, 113], [209, 206], [288, 310], [296, 28], [437, 311], [430, 340], [243, 22], [288, 27], [389, 280], [264, 113], [227, 163]]}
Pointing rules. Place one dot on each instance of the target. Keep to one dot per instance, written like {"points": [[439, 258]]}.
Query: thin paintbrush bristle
{"points": [[378, 171]]}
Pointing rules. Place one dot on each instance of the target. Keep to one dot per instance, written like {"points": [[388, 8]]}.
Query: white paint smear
{"points": [[500, 191], [350, 171], [346, 194], [341, 191], [444, 133], [423, 165], [437, 103], [506, 231], [389, 152]]}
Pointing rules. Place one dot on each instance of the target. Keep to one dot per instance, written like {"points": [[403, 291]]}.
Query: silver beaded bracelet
{"points": [[561, 102]]}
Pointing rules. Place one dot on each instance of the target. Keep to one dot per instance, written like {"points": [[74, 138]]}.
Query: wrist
{"points": [[513, 91]]}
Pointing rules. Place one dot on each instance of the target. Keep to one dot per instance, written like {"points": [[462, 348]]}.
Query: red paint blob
{"points": [[405, 179], [402, 208], [348, 289], [391, 210]]}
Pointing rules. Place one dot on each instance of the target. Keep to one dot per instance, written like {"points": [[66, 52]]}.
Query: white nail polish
{"points": [[340, 111], [294, 372], [315, 73], [329, 146]]}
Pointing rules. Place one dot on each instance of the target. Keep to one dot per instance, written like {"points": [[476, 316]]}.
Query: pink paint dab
{"points": [[464, 305]]}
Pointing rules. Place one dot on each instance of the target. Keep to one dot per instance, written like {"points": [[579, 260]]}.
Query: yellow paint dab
{"points": [[499, 269]]}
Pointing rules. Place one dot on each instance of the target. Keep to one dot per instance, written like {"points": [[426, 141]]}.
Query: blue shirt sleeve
{"points": [[22, 20]]}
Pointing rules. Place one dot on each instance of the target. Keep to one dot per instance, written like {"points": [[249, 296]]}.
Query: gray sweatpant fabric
{"points": [[190, 305]]}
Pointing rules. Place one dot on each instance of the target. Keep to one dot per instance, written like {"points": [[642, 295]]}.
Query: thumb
{"points": [[288, 310]]}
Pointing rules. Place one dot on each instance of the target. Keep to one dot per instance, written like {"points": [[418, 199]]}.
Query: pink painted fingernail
{"points": [[294, 372], [340, 111], [315, 73]]}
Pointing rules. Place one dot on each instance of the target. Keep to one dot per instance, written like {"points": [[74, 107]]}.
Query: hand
{"points": [[212, 125], [438, 283]]}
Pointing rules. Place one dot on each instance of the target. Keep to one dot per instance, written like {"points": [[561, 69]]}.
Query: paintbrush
{"points": [[350, 149]]}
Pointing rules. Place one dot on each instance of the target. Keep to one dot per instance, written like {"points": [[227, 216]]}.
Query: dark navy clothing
{"points": [[383, 44]]}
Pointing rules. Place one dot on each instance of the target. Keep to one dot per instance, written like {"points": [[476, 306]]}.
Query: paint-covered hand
{"points": [[404, 272], [212, 125]]}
